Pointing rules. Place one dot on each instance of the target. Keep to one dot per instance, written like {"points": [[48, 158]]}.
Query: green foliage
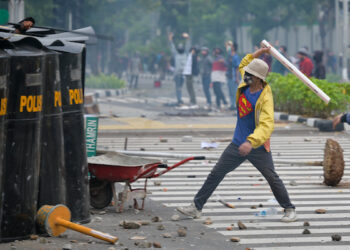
{"points": [[103, 81], [293, 97], [333, 78]]}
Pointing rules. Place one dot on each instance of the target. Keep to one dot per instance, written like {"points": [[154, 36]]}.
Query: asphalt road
{"points": [[144, 117]]}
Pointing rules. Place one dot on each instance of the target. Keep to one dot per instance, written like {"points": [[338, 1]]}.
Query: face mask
{"points": [[248, 78]]}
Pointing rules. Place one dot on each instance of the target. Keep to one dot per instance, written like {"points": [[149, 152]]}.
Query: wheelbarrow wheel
{"points": [[101, 193]]}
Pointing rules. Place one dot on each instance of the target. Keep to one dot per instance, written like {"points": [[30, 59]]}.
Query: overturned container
{"points": [[22, 146], [52, 185], [72, 71]]}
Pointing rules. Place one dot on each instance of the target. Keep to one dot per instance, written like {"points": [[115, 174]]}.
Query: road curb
{"points": [[322, 124], [99, 93]]}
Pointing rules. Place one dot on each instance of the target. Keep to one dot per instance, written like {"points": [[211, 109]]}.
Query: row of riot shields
{"points": [[42, 144]]}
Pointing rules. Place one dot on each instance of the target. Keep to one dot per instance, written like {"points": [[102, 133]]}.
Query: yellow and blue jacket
{"points": [[264, 113]]}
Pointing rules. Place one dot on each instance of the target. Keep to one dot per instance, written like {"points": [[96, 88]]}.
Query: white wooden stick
{"points": [[275, 53]]}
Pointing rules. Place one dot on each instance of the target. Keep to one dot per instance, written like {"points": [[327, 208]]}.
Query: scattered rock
{"points": [[182, 232], [253, 207], [166, 235], [143, 244], [144, 222], [306, 224], [73, 241], [42, 240], [102, 212], [208, 221], [306, 231], [157, 245], [157, 183], [202, 233], [241, 226], [163, 140], [293, 183], [307, 139], [63, 236], [171, 149], [157, 219], [187, 138], [131, 225], [336, 237], [229, 228], [321, 211], [111, 248], [161, 227], [142, 149], [136, 211], [261, 179], [34, 237], [235, 239], [261, 205], [175, 217], [13, 247], [67, 247], [136, 237], [97, 219]]}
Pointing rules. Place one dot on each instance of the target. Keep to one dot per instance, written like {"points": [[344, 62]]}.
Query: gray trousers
{"points": [[229, 161], [190, 89]]}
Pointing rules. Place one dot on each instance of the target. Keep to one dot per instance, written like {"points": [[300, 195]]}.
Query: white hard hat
{"points": [[257, 68]]}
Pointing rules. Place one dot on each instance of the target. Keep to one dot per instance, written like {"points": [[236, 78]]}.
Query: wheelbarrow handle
{"points": [[178, 164], [199, 158], [162, 165]]}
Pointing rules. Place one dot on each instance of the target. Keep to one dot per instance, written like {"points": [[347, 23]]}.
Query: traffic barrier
{"points": [[22, 147]]}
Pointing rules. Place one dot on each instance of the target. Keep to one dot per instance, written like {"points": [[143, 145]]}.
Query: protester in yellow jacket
{"points": [[251, 140]]}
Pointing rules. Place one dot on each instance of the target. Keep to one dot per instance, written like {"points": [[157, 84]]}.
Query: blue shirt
{"points": [[245, 115]]}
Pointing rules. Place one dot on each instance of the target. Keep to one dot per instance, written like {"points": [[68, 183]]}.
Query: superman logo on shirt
{"points": [[244, 106]]}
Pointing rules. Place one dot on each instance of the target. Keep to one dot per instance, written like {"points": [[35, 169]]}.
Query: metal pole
{"points": [[345, 40], [337, 33]]}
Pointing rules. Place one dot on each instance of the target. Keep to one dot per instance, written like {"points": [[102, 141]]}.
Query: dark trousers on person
{"points": [[219, 94], [206, 87], [190, 90], [179, 81], [230, 160]]}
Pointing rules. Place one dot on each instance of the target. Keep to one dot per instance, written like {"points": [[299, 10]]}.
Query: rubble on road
{"points": [[320, 211], [235, 239], [130, 224], [241, 226], [182, 232]]}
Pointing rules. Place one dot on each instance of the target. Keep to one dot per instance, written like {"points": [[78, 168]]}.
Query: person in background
{"points": [[24, 25], [134, 69], [341, 119], [251, 141], [320, 69], [190, 70], [278, 67], [331, 62], [205, 69], [305, 64], [218, 76], [232, 75], [180, 58]]}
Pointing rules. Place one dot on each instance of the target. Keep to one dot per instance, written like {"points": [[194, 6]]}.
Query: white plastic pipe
{"points": [[275, 53]]}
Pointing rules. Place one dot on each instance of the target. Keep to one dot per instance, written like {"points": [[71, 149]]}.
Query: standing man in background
{"points": [[180, 58], [205, 69], [305, 64], [232, 75]]}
